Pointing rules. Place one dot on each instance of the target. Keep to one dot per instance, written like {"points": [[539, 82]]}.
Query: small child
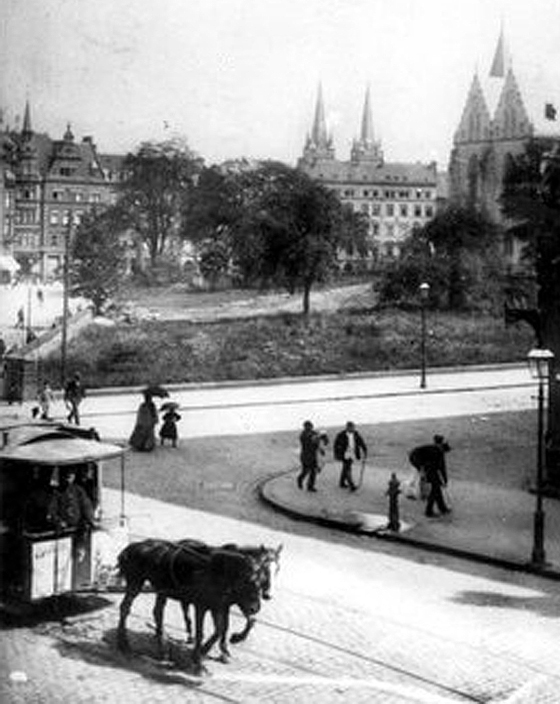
{"points": [[168, 429], [45, 398]]}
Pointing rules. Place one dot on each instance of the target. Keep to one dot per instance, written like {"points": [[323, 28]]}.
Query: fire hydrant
{"points": [[393, 493]]}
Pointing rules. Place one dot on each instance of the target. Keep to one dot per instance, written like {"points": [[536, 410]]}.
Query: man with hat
{"points": [[429, 460]]}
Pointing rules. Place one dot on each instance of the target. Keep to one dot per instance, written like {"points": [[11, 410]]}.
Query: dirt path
{"points": [[175, 306]]}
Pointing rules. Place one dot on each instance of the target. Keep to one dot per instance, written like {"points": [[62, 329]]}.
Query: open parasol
{"points": [[169, 406], [155, 390]]}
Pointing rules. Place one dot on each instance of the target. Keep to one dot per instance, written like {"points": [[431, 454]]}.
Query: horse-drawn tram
{"points": [[51, 509]]}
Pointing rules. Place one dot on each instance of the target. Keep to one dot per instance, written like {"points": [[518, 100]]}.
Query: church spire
{"points": [[319, 144], [319, 130], [366, 148], [26, 130], [366, 135]]}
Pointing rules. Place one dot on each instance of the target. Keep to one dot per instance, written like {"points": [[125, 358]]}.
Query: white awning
{"points": [[8, 263]]}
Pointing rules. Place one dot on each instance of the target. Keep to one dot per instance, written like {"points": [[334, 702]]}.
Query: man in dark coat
{"points": [[349, 445], [309, 445], [430, 460]]}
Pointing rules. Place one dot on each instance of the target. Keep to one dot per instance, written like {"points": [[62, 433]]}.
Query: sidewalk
{"points": [[487, 523]]}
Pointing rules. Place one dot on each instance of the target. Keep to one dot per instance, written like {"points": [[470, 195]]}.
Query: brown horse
{"points": [[211, 582], [263, 559]]}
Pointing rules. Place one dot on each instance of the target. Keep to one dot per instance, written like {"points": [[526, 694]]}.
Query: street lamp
{"points": [[424, 289], [539, 361]]}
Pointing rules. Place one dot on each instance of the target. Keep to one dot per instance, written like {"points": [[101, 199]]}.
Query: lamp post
{"points": [[424, 289], [539, 361]]}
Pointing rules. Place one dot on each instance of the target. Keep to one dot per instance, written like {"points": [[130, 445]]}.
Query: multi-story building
{"points": [[54, 183], [395, 197], [487, 139]]}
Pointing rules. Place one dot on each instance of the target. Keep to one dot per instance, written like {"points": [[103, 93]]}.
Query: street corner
{"points": [[363, 511]]}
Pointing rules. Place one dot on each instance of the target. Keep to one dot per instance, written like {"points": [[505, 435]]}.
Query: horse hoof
{"points": [[236, 638], [224, 657]]}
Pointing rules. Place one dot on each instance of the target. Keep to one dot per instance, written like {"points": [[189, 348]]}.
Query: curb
{"points": [[390, 536], [186, 386]]}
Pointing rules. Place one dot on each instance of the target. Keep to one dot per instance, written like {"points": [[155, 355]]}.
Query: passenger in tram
{"points": [[37, 509], [71, 506]]}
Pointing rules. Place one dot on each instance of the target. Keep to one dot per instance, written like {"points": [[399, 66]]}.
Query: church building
{"points": [[496, 124], [395, 197]]}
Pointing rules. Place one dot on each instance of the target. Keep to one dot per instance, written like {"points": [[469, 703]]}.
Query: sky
{"points": [[239, 78]]}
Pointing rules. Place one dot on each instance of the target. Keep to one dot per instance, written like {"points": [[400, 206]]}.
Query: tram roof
{"points": [[52, 444]]}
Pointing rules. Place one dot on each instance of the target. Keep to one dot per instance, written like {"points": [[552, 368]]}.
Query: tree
{"points": [[290, 228], [531, 199], [96, 259], [159, 177], [457, 253]]}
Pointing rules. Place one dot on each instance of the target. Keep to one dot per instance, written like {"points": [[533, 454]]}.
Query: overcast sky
{"points": [[239, 77]]}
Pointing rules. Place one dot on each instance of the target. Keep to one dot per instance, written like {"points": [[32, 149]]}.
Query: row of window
{"points": [[76, 196], [29, 216], [403, 210], [31, 240], [390, 229], [408, 194], [29, 193], [63, 218]]}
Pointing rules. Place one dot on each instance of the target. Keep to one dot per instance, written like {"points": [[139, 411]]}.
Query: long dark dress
{"points": [[143, 436]]}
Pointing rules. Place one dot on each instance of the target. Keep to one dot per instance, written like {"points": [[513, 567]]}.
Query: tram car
{"points": [[52, 517]]}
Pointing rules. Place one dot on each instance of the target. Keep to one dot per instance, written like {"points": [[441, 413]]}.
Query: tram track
{"points": [[417, 687]]}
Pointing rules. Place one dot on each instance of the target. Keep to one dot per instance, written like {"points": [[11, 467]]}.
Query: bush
{"points": [[269, 347]]}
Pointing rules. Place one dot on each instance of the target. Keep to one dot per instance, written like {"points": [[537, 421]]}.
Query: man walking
{"points": [[349, 446], [429, 460], [309, 445], [74, 393]]}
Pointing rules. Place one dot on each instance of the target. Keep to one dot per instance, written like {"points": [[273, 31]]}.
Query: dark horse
{"points": [[262, 558], [211, 582]]}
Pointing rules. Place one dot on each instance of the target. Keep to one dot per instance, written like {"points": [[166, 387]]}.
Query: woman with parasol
{"points": [[168, 430], [143, 436]]}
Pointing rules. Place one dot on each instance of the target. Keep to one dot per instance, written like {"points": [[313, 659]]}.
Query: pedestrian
{"points": [[168, 430], [74, 393], [20, 318], [349, 446], [45, 397], [143, 436], [322, 444], [429, 460], [309, 443]]}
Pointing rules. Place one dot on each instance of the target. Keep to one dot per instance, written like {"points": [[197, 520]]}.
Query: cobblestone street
{"points": [[343, 625]]}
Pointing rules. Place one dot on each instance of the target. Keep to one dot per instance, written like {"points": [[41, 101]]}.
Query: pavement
{"points": [[487, 523], [74, 659]]}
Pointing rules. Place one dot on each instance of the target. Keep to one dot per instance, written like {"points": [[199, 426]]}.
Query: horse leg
{"points": [[223, 629], [158, 610], [220, 618], [241, 635], [199, 613], [132, 591], [188, 625]]}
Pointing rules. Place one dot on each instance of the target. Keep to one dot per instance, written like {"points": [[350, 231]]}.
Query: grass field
{"points": [[350, 337]]}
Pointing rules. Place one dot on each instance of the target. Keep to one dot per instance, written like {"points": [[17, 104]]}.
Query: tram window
{"points": [[38, 501]]}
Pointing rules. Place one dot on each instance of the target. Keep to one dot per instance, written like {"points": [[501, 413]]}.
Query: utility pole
{"points": [[65, 284]]}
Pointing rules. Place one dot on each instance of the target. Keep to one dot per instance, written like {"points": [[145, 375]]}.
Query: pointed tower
{"points": [[499, 63], [26, 130], [319, 144], [475, 124], [511, 120], [366, 149]]}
